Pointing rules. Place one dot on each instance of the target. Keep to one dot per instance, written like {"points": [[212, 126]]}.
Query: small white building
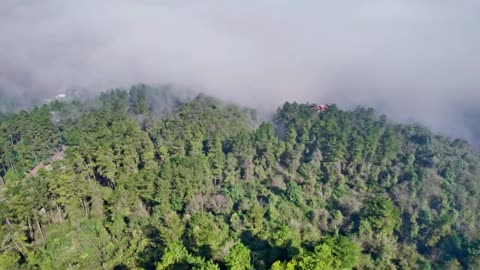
{"points": [[60, 96]]}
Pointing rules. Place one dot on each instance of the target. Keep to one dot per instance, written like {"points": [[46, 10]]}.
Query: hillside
{"points": [[147, 180]]}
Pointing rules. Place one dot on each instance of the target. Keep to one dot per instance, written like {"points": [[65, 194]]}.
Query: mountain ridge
{"points": [[207, 185]]}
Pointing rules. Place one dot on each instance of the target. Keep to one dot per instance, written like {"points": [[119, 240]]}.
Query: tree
{"points": [[382, 215], [238, 258], [321, 259]]}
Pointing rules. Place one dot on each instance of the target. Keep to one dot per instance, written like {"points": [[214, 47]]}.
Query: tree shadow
{"points": [[205, 251], [265, 254], [153, 252], [277, 190]]}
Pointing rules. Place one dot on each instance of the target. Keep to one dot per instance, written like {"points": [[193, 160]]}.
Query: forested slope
{"points": [[200, 185]]}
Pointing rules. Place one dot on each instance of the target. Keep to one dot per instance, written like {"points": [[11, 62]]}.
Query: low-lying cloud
{"points": [[413, 60]]}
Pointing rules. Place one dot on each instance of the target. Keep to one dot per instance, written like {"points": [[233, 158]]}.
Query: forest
{"points": [[142, 179]]}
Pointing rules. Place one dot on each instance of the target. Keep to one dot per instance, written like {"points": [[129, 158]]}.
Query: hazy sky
{"points": [[414, 60]]}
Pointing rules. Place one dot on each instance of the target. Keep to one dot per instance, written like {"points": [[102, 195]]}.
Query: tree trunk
{"points": [[18, 248], [50, 214], [13, 167], [32, 235], [59, 212], [7, 220], [3, 166], [13, 239], [84, 207], [11, 140], [2, 182], [40, 228]]}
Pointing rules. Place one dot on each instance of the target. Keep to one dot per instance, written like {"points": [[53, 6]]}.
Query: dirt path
{"points": [[56, 157]]}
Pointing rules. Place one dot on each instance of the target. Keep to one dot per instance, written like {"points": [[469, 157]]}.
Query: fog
{"points": [[413, 60]]}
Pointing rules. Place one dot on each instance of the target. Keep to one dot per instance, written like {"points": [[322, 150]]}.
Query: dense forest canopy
{"points": [[142, 179]]}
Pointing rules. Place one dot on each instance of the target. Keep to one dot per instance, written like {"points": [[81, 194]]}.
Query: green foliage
{"points": [[238, 258], [146, 179], [9, 260], [381, 214]]}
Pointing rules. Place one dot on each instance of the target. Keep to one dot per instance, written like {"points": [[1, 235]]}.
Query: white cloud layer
{"points": [[414, 60]]}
